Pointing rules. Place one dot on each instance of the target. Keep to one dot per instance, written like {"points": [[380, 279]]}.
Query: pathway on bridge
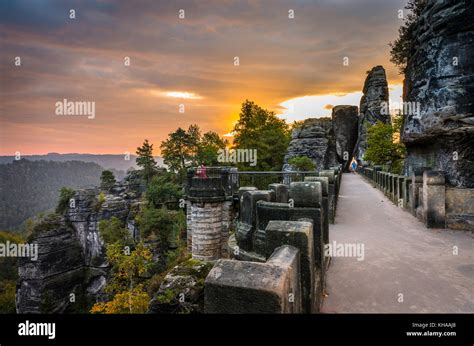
{"points": [[401, 257]]}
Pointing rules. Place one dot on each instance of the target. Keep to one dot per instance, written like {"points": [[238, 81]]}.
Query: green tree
{"points": [[402, 48], [124, 284], [260, 129], [183, 149], [176, 150], [8, 275], [161, 224], [209, 147], [146, 160], [163, 189], [107, 180], [112, 231], [65, 195], [302, 163], [383, 146]]}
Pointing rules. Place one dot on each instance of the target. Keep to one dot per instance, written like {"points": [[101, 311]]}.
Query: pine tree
{"points": [[107, 180], [145, 160]]}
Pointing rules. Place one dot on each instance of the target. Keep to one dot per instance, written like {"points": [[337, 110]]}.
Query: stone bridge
{"points": [[270, 247]]}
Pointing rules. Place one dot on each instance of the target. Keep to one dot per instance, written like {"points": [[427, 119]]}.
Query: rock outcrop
{"points": [[326, 141], [182, 290], [71, 270], [314, 139], [440, 78], [345, 122], [373, 107]]}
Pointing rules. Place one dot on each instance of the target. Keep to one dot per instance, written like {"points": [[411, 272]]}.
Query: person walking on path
{"points": [[353, 165]]}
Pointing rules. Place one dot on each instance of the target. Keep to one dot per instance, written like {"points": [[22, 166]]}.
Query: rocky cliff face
{"points": [[325, 140], [314, 139], [71, 256], [345, 122], [440, 78], [375, 94]]}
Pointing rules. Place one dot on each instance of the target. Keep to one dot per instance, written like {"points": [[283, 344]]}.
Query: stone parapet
{"points": [[426, 195], [235, 287]]}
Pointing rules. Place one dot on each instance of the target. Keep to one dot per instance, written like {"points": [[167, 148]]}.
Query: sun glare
{"points": [[183, 95]]}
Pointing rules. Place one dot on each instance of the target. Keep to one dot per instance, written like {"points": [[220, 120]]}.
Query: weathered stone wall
{"points": [[440, 77], [234, 287], [426, 195], [460, 208], [210, 212], [207, 230]]}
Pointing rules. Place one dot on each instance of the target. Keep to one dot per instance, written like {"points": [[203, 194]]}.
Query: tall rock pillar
{"points": [[373, 107]]}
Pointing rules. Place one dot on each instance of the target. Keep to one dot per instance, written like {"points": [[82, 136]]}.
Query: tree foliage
{"points": [[260, 129], [402, 48], [107, 180], [183, 149], [112, 231], [8, 275], [383, 146], [124, 283], [302, 163], [163, 189], [133, 301], [146, 160], [161, 224], [65, 195], [209, 146]]}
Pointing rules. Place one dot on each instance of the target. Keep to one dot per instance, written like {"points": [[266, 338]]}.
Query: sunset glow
{"points": [[140, 64]]}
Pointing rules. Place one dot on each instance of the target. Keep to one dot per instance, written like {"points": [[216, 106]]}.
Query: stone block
{"points": [[236, 287], [460, 208], [281, 192], [434, 199], [300, 235], [244, 189], [268, 211], [406, 192], [417, 182], [306, 194], [400, 196], [248, 216], [325, 204]]}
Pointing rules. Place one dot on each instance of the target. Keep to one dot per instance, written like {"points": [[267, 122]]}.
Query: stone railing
{"points": [[277, 262], [426, 195]]}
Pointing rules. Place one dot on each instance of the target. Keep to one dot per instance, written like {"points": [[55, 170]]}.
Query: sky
{"points": [[147, 71]]}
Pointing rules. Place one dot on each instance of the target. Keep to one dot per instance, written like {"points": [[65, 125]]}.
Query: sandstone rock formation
{"points": [[71, 256], [182, 290], [345, 122], [314, 139], [440, 77], [325, 140], [371, 107]]}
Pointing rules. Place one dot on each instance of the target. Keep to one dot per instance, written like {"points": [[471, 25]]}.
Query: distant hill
{"points": [[29, 187], [108, 161]]}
